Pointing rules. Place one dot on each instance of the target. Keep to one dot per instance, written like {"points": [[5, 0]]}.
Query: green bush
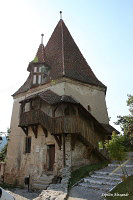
{"points": [[3, 153], [116, 147]]}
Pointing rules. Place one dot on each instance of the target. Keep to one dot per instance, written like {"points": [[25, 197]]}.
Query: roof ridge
{"points": [[62, 37]]}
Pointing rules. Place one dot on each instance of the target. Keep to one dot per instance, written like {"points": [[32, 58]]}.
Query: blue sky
{"points": [[103, 30]]}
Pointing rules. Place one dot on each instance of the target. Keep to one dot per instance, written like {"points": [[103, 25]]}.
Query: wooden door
{"points": [[51, 157]]}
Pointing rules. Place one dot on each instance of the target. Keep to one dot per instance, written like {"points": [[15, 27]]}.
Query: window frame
{"points": [[27, 144], [39, 74]]}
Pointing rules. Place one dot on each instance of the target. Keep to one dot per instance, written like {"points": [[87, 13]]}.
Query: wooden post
{"points": [[64, 151]]}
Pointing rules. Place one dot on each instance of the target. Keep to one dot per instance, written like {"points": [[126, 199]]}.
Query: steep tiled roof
{"points": [[49, 96], [63, 54], [41, 55], [39, 58], [52, 98], [65, 59]]}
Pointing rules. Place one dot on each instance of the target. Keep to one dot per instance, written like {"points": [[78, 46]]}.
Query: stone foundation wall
{"points": [[34, 163], [81, 156]]}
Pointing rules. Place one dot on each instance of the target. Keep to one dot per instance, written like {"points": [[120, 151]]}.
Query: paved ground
{"points": [[81, 193], [23, 194], [76, 193], [90, 188]]}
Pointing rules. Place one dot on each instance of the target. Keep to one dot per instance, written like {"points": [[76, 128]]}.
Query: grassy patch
{"points": [[7, 186], [10, 186], [82, 172], [126, 187]]}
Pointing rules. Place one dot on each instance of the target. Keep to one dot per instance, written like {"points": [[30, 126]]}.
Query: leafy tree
{"points": [[116, 150], [3, 153], [130, 103], [8, 130], [4, 150], [126, 122], [115, 147]]}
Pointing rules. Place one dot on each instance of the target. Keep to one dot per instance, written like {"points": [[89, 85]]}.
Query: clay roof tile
{"points": [[64, 58]]}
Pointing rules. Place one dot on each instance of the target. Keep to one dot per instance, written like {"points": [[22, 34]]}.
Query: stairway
{"points": [[42, 182], [87, 143], [103, 180]]}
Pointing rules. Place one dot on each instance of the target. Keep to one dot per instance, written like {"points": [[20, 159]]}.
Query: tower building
{"points": [[59, 114]]}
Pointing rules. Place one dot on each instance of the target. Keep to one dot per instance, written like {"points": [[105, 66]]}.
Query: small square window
{"points": [[35, 69], [89, 108], [27, 144], [39, 78], [34, 79], [42, 69]]}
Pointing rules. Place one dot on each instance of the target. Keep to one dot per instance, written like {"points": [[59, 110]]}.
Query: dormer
{"points": [[39, 68], [40, 73]]}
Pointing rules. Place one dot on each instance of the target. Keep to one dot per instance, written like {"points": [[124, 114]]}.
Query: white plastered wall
{"points": [[15, 141], [89, 95], [85, 94]]}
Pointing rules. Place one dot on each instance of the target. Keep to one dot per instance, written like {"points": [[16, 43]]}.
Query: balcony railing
{"points": [[66, 124], [57, 125], [36, 117]]}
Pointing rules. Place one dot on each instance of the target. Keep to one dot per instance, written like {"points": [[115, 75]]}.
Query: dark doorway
{"points": [[51, 157]]}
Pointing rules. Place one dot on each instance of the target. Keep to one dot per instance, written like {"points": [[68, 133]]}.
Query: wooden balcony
{"points": [[36, 117], [65, 124], [57, 125]]}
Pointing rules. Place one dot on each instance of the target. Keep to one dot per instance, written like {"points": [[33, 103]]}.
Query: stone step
{"points": [[44, 177], [39, 186], [118, 165], [107, 173], [98, 176], [104, 188], [128, 162], [42, 181], [117, 174], [119, 171], [101, 181]]}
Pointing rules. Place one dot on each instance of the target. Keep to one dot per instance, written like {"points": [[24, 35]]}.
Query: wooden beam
{"points": [[25, 129], [35, 130], [64, 151], [90, 150], [73, 141], [45, 131], [58, 140]]}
